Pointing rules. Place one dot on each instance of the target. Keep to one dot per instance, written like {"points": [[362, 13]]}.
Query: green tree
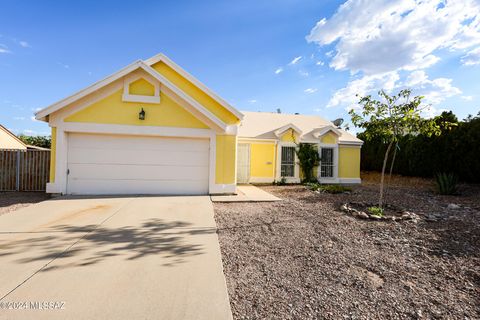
{"points": [[38, 141], [308, 157], [388, 119]]}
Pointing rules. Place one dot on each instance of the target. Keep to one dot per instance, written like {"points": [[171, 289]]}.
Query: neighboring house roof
{"points": [[146, 66], [10, 141], [265, 125]]}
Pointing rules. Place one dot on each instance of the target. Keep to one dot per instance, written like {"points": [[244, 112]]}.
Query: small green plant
{"points": [[329, 188], [376, 211], [314, 186], [446, 183]]}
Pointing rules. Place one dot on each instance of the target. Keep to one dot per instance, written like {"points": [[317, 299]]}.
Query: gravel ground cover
{"points": [[303, 258], [11, 201]]}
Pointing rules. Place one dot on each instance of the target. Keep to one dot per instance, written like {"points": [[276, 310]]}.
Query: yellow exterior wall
{"points": [[113, 110], [348, 162], [262, 160], [141, 87], [53, 154], [329, 137], [196, 93], [226, 149], [289, 136]]}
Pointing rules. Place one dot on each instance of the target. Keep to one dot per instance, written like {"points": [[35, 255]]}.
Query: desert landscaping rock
{"points": [[316, 262]]}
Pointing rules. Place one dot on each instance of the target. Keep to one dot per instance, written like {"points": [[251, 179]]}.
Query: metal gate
{"points": [[22, 170]]}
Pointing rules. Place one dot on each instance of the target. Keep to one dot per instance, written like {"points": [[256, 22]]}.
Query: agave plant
{"points": [[446, 183]]}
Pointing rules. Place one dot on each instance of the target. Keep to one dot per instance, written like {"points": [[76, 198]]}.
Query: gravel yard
{"points": [[11, 201], [302, 258]]}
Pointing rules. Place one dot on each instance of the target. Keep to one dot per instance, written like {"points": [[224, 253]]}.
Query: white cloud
{"points": [[348, 95], [279, 70], [310, 90], [472, 57], [252, 101], [382, 36], [66, 66], [319, 63], [4, 49], [30, 132], [467, 98], [24, 44], [435, 91], [303, 73], [295, 60], [19, 118]]}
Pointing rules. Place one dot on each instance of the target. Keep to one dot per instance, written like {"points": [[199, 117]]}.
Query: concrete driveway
{"points": [[112, 258]]}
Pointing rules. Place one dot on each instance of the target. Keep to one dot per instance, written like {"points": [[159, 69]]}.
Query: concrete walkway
{"points": [[113, 258], [247, 193]]}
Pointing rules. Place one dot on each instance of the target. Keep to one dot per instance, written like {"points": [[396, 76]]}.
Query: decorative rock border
{"points": [[405, 215]]}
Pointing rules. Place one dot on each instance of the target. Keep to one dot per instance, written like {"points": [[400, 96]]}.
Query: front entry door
{"points": [[243, 163]]}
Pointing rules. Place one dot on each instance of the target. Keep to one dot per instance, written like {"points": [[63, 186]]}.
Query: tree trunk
{"points": [[391, 170], [382, 179]]}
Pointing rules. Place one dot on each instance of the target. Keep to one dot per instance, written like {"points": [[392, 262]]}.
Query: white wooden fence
{"points": [[24, 170]]}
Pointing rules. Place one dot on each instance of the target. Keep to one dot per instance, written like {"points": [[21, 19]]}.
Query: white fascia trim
{"points": [[41, 115], [352, 144], [127, 96], [182, 95], [322, 131], [220, 125], [161, 57], [139, 98], [281, 130], [261, 179]]}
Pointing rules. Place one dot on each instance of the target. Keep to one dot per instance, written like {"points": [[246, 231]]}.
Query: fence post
{"points": [[17, 176]]}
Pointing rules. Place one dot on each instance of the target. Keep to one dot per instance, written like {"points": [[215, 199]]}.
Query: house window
{"points": [[287, 168], [326, 163]]}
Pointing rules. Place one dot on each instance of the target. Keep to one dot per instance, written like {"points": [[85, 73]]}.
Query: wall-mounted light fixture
{"points": [[141, 115]]}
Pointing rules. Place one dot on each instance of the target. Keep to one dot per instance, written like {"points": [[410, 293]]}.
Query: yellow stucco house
{"points": [[152, 128]]}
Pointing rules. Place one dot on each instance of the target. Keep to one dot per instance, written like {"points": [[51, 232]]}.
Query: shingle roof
{"points": [[262, 125]]}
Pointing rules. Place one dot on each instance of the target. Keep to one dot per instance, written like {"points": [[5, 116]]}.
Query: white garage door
{"points": [[116, 164]]}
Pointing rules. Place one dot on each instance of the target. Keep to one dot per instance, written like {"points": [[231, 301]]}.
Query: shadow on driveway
{"points": [[173, 241]]}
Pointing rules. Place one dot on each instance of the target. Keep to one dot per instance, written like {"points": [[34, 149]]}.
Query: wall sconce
{"points": [[141, 115]]}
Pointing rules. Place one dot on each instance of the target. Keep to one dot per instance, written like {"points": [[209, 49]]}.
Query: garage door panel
{"points": [[131, 142], [118, 164], [146, 157], [138, 187], [136, 172]]}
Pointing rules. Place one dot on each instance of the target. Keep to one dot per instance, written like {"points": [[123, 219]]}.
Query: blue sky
{"points": [[306, 56]]}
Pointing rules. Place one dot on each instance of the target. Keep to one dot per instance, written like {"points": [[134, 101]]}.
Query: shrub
{"points": [[376, 211], [446, 183], [308, 157], [455, 150]]}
